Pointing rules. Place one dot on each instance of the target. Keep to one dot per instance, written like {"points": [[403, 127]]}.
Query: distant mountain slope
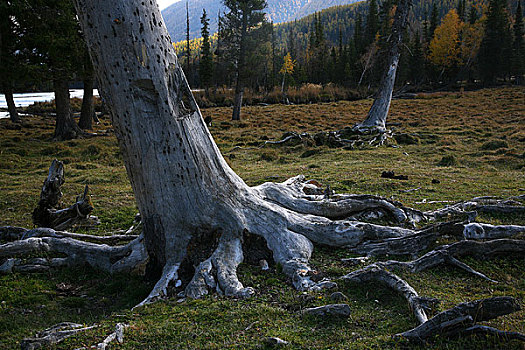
{"points": [[278, 11]]}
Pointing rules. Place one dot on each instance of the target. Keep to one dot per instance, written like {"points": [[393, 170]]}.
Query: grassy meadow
{"points": [[473, 143]]}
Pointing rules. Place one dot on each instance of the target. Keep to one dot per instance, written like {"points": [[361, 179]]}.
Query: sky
{"points": [[165, 3]]}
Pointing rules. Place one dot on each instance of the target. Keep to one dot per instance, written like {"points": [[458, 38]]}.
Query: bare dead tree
{"points": [[376, 118]]}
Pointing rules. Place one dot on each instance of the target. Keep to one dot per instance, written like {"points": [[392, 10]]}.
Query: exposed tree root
{"points": [[117, 335], [462, 318], [479, 329], [219, 272], [53, 335], [376, 273], [347, 138], [73, 252], [308, 197], [487, 205], [11, 233], [411, 244], [447, 254]]}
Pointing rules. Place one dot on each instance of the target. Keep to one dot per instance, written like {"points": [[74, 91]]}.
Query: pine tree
{"points": [[206, 61], [417, 60], [434, 21], [461, 9], [239, 22], [473, 14], [518, 47], [372, 22], [494, 52], [358, 34]]}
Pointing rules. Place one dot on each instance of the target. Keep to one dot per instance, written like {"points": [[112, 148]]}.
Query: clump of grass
{"points": [[269, 156], [448, 160], [92, 150], [309, 153], [494, 145]]}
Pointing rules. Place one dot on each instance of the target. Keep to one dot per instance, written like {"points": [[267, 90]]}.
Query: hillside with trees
{"points": [[450, 44], [278, 11]]}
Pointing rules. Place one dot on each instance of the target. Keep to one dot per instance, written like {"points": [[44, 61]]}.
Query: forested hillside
{"points": [[278, 11], [447, 44]]}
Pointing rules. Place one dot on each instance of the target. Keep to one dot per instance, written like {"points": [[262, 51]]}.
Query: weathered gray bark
{"points": [[376, 118], [11, 108], [65, 128], [87, 113]]}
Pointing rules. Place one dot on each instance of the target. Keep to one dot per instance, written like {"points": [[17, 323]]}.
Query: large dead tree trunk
{"points": [[65, 128], [376, 118], [186, 193]]}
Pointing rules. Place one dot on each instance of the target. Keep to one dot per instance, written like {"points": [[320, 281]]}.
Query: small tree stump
{"points": [[48, 214]]}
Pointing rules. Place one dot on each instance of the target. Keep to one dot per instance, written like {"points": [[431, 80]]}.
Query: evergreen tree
{"points": [[518, 47], [52, 36], [11, 66], [206, 61], [461, 9], [426, 30], [372, 22], [434, 21], [239, 22], [473, 14], [494, 51], [358, 34], [417, 60]]}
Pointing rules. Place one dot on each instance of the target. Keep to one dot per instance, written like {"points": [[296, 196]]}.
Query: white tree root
{"points": [[10, 233], [219, 272], [53, 335], [448, 254], [290, 217], [160, 290], [74, 252], [117, 335], [487, 205], [462, 319], [376, 273], [308, 197]]}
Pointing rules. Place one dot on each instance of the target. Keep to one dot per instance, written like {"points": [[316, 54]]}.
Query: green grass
{"points": [[483, 132]]}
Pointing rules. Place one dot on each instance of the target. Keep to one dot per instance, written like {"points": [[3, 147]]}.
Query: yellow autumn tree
{"points": [[287, 68], [445, 50], [472, 35]]}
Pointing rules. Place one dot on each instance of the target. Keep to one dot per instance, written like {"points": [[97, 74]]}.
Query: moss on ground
{"points": [[482, 130]]}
